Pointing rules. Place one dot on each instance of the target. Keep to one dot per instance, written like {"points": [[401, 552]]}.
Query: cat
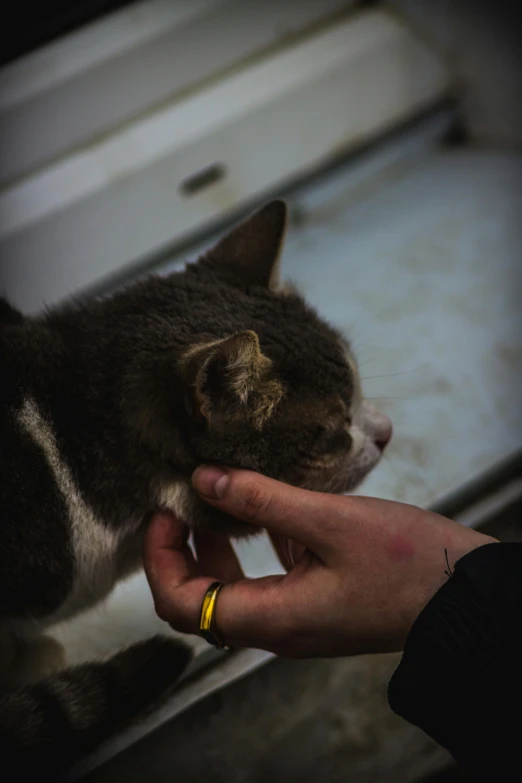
{"points": [[106, 408]]}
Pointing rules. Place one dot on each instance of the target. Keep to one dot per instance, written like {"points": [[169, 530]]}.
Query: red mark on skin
{"points": [[400, 548]]}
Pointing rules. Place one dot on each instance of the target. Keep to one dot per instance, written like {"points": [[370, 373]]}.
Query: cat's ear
{"points": [[250, 253], [227, 377]]}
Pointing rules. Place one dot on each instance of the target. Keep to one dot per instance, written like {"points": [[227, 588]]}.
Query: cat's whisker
{"points": [[355, 330], [366, 362], [394, 374], [391, 398], [358, 346]]}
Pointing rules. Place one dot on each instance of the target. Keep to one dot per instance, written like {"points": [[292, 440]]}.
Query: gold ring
{"points": [[207, 625]]}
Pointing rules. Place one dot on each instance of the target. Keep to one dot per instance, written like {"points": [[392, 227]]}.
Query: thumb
{"points": [[281, 509]]}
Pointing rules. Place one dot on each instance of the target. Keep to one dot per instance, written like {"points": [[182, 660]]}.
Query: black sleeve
{"points": [[460, 677]]}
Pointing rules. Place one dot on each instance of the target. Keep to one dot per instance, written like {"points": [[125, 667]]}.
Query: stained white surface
{"points": [[95, 79], [424, 273], [426, 277], [81, 218]]}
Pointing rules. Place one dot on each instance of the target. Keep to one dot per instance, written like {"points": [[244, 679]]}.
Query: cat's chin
{"points": [[213, 520], [348, 475], [337, 485]]}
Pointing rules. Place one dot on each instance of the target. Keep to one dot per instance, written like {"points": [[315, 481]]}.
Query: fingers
{"points": [[281, 614], [306, 517], [173, 574], [217, 557], [168, 559], [248, 611]]}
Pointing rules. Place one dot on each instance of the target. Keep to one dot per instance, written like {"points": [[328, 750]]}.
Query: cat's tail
{"points": [[46, 727]]}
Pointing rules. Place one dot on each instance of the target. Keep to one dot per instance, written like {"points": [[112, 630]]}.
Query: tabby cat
{"points": [[106, 408]]}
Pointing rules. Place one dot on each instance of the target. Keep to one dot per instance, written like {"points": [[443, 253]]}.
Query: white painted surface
{"points": [[423, 271], [43, 70], [88, 83], [83, 218]]}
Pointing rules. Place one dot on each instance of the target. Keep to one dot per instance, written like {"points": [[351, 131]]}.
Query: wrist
{"points": [[461, 543]]}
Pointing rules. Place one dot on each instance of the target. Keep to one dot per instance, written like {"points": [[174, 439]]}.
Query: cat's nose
{"points": [[376, 424]]}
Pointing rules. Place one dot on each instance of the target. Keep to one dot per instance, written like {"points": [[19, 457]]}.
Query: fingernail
{"points": [[210, 482]]}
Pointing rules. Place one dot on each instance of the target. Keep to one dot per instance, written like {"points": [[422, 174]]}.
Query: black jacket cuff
{"points": [[460, 675]]}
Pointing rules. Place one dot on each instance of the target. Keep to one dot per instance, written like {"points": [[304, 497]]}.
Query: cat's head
{"points": [[269, 385]]}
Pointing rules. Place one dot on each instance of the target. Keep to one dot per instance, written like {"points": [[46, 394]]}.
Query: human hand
{"points": [[360, 569]]}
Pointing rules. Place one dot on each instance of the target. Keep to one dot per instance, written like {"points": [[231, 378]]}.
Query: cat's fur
{"points": [[106, 408]]}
